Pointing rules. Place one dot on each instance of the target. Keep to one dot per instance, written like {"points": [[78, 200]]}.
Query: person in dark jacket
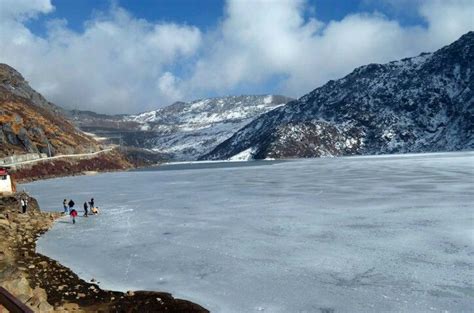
{"points": [[85, 208], [70, 204], [73, 215], [91, 203], [24, 205]]}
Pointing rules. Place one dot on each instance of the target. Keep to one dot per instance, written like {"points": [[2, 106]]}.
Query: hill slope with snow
{"points": [[188, 130], [418, 104]]}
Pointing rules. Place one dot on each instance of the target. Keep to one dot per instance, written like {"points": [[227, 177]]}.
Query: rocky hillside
{"points": [[30, 124], [181, 131], [419, 104]]}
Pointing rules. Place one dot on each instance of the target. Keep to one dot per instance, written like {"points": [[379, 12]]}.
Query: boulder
{"points": [[45, 307], [19, 286], [26, 141], [10, 134], [18, 119], [33, 302], [2, 137], [4, 222], [38, 133], [68, 307], [23, 298], [40, 293]]}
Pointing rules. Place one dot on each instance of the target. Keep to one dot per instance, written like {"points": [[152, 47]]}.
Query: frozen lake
{"points": [[360, 234]]}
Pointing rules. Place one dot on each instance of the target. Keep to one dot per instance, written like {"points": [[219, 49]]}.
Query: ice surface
{"points": [[364, 234]]}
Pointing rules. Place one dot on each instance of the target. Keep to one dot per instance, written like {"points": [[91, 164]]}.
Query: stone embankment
{"points": [[108, 161], [120, 159], [47, 286], [27, 157]]}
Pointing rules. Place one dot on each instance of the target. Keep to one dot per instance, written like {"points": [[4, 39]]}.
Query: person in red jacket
{"points": [[73, 215]]}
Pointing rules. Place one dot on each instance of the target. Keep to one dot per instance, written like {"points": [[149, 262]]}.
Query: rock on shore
{"points": [[47, 286]]}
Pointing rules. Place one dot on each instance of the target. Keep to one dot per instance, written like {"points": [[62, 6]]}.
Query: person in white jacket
{"points": [[24, 205]]}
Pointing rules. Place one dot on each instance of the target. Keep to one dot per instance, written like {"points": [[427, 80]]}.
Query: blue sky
{"points": [[207, 13], [128, 56]]}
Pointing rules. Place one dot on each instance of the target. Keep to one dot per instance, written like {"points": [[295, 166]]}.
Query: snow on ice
{"points": [[355, 234]]}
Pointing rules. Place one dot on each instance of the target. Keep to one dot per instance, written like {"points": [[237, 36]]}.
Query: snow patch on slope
{"points": [[245, 155], [189, 130]]}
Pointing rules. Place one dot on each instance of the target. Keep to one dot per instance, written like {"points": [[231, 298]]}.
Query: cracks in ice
{"points": [[360, 279], [130, 256]]}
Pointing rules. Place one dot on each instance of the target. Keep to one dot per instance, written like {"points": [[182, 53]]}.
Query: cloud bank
{"points": [[123, 64]]}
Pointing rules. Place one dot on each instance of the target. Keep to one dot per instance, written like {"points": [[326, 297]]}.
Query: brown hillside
{"points": [[29, 123]]}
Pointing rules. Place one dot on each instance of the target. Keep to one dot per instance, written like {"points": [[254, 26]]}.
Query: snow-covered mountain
{"points": [[419, 104], [188, 130]]}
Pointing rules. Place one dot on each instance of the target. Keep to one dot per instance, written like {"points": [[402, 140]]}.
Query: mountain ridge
{"points": [[182, 130], [418, 104]]}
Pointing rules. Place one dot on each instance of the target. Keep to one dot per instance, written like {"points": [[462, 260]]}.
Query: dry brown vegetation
{"points": [[40, 126]]}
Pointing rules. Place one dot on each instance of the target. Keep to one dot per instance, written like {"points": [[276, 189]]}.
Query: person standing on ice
{"points": [[65, 206], [70, 205], [73, 215], [91, 203], [85, 208]]}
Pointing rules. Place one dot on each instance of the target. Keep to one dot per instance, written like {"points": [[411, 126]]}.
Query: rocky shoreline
{"points": [[47, 286]]}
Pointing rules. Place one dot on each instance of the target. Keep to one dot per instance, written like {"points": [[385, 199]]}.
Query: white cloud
{"points": [[23, 9], [256, 40], [447, 19], [120, 63], [259, 39], [168, 86], [114, 65]]}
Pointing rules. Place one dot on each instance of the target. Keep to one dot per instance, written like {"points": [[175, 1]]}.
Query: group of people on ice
{"points": [[69, 208]]}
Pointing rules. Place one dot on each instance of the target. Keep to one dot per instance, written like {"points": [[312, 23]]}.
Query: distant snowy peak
{"points": [[189, 130], [419, 104], [213, 110]]}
